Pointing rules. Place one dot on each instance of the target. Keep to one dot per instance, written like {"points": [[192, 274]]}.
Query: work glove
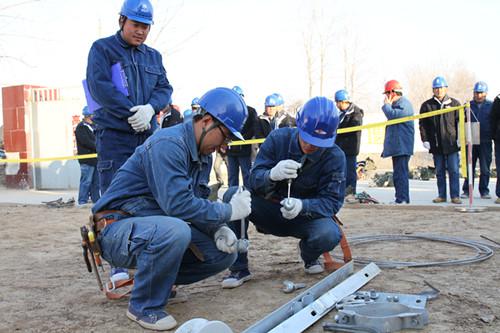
{"points": [[291, 208], [427, 145], [286, 169], [241, 205], [226, 240], [140, 121]]}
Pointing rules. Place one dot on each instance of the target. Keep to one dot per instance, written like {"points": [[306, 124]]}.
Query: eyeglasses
{"points": [[227, 137]]}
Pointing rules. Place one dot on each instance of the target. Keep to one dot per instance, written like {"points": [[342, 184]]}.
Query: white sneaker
{"points": [[236, 279], [314, 267], [161, 321]]}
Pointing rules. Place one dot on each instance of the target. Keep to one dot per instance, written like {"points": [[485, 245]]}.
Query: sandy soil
{"points": [[44, 285]]}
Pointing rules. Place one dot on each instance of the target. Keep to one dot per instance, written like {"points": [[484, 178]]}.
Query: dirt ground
{"points": [[44, 285]]}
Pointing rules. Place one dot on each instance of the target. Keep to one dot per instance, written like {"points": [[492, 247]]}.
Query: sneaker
{"points": [[313, 267], [159, 321], [118, 273], [439, 200], [464, 195], [456, 201], [485, 196], [236, 279], [497, 201]]}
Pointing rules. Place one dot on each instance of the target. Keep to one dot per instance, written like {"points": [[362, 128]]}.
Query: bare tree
{"points": [[309, 50]]}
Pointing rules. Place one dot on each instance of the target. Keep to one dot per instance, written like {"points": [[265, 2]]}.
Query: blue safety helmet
{"points": [[317, 122], [439, 82], [227, 107], [138, 10], [279, 99], [195, 102], [239, 91], [86, 111], [342, 95], [481, 87], [271, 100]]}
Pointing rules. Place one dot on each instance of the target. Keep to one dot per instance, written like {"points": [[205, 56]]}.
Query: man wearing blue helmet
{"points": [[495, 134], [128, 81], [273, 117], [480, 113], [85, 144], [439, 135], [296, 186], [156, 217]]}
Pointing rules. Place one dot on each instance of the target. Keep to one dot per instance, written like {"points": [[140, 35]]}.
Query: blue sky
{"points": [[256, 44]]}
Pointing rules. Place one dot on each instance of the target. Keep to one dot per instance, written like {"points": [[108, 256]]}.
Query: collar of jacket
{"points": [[191, 143], [125, 45], [446, 100], [296, 153]]}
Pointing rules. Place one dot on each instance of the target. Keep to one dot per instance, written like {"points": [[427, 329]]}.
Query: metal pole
{"points": [[301, 301], [470, 172]]}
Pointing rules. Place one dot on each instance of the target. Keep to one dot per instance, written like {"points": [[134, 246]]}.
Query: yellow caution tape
{"points": [[340, 131]]}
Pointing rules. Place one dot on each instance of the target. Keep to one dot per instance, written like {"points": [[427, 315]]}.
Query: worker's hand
{"points": [[241, 205], [140, 121], [286, 169], [291, 208], [427, 145], [226, 240]]}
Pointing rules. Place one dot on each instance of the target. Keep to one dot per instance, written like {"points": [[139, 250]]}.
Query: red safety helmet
{"points": [[393, 86]]}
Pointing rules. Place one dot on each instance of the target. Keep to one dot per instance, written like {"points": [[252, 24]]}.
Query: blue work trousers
{"points": [[351, 176], [316, 235], [234, 164], [401, 178], [89, 184], [481, 152], [449, 163], [157, 246], [113, 149]]}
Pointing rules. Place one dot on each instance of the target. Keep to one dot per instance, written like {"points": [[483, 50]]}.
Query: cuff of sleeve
{"points": [[306, 205]]}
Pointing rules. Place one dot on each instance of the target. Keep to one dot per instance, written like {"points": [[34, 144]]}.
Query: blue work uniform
{"points": [[163, 189], [398, 144], [147, 83], [318, 185]]}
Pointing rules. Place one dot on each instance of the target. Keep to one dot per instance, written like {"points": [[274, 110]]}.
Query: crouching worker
{"points": [[165, 227], [296, 186]]}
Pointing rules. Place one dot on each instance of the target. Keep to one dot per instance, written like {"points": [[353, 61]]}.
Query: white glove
{"points": [[292, 209], [140, 121], [241, 205], [285, 169], [226, 240], [427, 145]]}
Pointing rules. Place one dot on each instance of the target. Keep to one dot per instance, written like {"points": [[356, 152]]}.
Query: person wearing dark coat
{"points": [[85, 144], [350, 115], [274, 117], [171, 116], [439, 135], [495, 134]]}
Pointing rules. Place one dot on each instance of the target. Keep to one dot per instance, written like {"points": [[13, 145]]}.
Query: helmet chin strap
{"points": [[204, 132]]}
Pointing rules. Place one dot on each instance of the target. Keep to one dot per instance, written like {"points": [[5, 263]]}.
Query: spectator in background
{"points": [[439, 135], [272, 119], [495, 134], [85, 144], [240, 156], [171, 116], [399, 138], [480, 112], [350, 115]]}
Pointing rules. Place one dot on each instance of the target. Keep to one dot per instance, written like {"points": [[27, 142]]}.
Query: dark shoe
{"points": [[236, 279], [313, 267], [439, 200], [464, 195], [158, 321], [456, 201]]}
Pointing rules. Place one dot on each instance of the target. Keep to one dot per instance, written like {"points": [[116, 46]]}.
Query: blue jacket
{"points": [[482, 112], [399, 138], [319, 183], [166, 176], [146, 78]]}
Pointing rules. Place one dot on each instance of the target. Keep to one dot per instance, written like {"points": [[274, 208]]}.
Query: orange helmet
{"points": [[393, 86]]}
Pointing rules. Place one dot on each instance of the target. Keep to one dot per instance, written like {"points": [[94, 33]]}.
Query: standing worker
{"points": [[439, 135], [85, 144], [124, 122], [240, 156], [350, 116], [399, 138], [495, 134], [158, 218], [480, 112], [296, 186], [272, 119]]}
